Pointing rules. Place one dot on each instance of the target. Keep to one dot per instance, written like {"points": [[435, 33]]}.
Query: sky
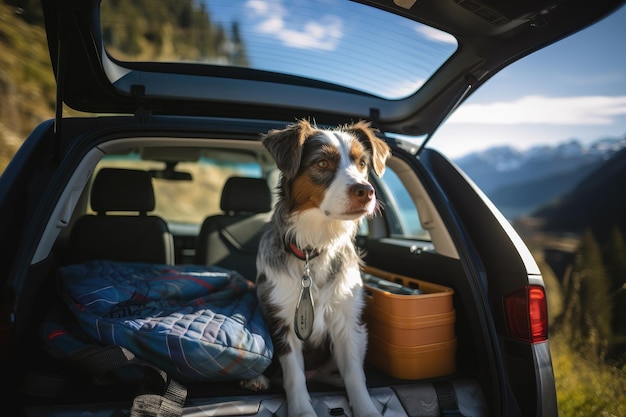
{"points": [[573, 89]]}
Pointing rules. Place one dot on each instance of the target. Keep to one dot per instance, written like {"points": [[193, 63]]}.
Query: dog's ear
{"points": [[285, 146], [379, 149]]}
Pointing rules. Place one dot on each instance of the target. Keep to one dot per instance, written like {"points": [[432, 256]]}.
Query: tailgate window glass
{"points": [[334, 41]]}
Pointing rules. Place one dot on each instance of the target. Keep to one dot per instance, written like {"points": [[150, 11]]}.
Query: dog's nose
{"points": [[363, 192]]}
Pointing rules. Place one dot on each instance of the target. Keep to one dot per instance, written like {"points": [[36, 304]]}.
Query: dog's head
{"points": [[328, 169]]}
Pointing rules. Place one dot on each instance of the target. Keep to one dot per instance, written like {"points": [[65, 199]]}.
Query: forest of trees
{"points": [[157, 25]]}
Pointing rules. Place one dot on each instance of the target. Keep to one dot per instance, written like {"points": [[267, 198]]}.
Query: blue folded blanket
{"points": [[197, 323]]}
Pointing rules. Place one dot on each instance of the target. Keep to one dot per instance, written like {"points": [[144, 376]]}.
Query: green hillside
{"points": [[27, 86]]}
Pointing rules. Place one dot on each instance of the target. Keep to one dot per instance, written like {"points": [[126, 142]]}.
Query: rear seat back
{"points": [[231, 239], [136, 237]]}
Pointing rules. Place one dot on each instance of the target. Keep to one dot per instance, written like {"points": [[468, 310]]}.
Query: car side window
{"points": [[397, 208]]}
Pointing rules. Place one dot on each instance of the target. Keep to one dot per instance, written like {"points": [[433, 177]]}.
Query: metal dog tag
{"points": [[305, 311]]}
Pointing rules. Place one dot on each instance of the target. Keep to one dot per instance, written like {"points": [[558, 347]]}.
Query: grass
{"points": [[585, 387]]}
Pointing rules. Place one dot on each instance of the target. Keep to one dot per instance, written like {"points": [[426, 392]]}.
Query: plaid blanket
{"points": [[196, 323]]}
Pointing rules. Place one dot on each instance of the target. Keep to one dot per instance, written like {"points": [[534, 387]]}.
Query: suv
{"points": [[182, 100]]}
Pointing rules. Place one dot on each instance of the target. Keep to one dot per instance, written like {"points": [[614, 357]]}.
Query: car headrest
{"points": [[122, 190], [251, 195]]}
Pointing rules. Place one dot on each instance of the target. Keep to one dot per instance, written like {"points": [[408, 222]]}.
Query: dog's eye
{"points": [[362, 163], [322, 163]]}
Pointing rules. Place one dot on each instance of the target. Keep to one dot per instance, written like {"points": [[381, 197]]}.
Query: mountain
{"points": [[597, 203], [519, 182]]}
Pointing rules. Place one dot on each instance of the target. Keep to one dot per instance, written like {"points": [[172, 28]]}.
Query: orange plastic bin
{"points": [[411, 336]]}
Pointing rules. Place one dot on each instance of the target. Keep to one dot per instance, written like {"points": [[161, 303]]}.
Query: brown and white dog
{"points": [[309, 283]]}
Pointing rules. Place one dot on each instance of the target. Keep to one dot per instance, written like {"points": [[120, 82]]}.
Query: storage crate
{"points": [[411, 336], [410, 331], [417, 362], [434, 300]]}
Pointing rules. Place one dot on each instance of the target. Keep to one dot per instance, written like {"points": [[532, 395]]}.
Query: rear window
{"points": [[336, 41]]}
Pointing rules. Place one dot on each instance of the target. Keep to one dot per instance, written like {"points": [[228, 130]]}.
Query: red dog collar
{"points": [[301, 253]]}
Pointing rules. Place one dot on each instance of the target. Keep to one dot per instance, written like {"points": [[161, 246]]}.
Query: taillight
{"points": [[526, 313]]}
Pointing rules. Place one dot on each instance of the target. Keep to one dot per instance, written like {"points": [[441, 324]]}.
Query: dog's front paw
{"points": [[259, 383]]}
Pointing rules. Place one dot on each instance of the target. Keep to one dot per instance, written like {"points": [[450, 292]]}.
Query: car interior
{"points": [[212, 213], [179, 205]]}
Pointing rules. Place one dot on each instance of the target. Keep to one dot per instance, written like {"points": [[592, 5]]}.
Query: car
{"points": [[181, 92]]}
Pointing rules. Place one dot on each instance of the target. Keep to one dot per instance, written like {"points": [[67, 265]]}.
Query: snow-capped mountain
{"points": [[518, 181]]}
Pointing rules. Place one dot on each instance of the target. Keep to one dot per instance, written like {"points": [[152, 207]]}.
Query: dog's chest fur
{"points": [[335, 278]]}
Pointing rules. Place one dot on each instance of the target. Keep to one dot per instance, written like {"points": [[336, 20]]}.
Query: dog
{"points": [[308, 270]]}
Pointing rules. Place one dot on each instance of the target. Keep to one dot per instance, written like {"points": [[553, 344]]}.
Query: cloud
{"points": [[435, 34], [394, 90], [323, 33], [583, 110]]}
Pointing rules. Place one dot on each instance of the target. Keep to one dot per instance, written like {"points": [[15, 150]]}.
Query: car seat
{"points": [[231, 239], [124, 237]]}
